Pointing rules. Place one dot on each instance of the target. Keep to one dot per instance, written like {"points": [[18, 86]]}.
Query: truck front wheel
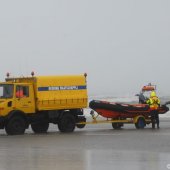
{"points": [[15, 126], [40, 127], [67, 123]]}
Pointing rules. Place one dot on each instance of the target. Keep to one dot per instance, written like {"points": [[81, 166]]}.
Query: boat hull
{"points": [[122, 110]]}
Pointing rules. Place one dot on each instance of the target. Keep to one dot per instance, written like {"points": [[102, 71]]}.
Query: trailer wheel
{"points": [[41, 127], [140, 124], [117, 125], [67, 123], [15, 126]]}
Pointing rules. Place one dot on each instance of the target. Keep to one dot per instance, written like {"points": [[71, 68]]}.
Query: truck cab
{"points": [[16, 96]]}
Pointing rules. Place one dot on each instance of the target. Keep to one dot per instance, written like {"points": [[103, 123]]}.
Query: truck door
{"points": [[24, 98]]}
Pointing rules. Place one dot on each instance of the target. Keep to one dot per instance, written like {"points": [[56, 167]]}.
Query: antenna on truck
{"points": [[7, 74], [85, 75], [32, 73]]}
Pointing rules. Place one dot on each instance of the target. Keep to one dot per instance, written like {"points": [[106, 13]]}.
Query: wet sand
{"points": [[97, 147]]}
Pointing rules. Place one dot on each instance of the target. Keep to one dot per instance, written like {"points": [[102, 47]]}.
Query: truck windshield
{"points": [[6, 90]]}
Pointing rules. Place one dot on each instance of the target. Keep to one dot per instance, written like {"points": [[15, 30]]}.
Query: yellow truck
{"points": [[40, 100]]}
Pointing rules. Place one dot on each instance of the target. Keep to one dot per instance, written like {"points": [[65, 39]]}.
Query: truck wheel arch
{"points": [[18, 113], [64, 112]]}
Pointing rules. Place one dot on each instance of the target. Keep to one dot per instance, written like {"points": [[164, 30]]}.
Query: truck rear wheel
{"points": [[67, 123], [40, 127], [15, 126]]}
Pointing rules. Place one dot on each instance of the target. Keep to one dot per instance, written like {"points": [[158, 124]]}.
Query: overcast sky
{"points": [[121, 44]]}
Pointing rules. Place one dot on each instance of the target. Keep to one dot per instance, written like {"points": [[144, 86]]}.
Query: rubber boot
{"points": [[153, 125], [153, 122], [157, 122]]}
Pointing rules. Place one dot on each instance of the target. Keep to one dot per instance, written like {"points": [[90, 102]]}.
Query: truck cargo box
{"points": [[61, 92]]}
